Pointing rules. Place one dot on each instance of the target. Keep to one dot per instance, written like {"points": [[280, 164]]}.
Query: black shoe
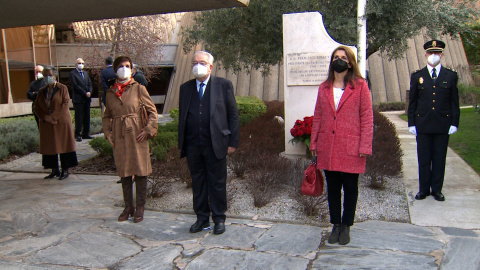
{"points": [[64, 174], [199, 225], [344, 237], [421, 195], [219, 228], [333, 238], [78, 138], [438, 196], [119, 181], [87, 137], [55, 173]]}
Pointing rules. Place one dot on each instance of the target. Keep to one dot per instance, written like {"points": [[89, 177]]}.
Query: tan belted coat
{"points": [[58, 138], [122, 119]]}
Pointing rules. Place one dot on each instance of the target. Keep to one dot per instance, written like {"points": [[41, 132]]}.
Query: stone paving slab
{"points": [[99, 250], [236, 237], [245, 260], [462, 253], [360, 258], [160, 258], [25, 266]]}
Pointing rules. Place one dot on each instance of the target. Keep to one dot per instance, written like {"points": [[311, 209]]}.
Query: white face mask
{"points": [[199, 71], [434, 59], [39, 76], [124, 73], [80, 66]]}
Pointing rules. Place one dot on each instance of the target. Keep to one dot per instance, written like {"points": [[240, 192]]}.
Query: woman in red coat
{"points": [[342, 137]]}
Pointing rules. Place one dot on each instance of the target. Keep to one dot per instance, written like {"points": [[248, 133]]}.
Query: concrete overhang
{"points": [[27, 12]]}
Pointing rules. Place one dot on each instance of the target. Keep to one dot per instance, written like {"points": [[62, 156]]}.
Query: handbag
{"points": [[312, 184]]}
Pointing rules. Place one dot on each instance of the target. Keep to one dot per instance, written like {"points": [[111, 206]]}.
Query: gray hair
{"points": [[210, 57], [52, 68]]}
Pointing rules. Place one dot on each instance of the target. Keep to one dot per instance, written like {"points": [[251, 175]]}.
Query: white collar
{"points": [[437, 69], [204, 82]]}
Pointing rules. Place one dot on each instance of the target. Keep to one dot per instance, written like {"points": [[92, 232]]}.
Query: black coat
{"points": [[108, 77], [433, 108], [224, 121], [140, 78], [80, 86], [34, 87]]}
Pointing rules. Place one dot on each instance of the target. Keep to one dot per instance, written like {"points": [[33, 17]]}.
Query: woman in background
{"points": [[342, 136], [123, 128], [55, 126]]}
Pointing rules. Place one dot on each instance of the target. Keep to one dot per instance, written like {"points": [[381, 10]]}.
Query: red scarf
{"points": [[120, 87]]}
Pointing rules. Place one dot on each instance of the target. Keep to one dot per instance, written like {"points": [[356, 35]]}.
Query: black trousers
{"points": [[335, 182], [209, 183], [67, 160], [82, 118], [36, 117], [432, 154]]}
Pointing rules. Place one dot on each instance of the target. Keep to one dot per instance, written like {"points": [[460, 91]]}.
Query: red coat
{"points": [[341, 135]]}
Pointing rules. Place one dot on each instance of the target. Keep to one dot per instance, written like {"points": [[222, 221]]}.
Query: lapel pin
{"points": [[420, 80]]}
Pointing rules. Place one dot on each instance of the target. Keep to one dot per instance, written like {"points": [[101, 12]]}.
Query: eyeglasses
{"points": [[203, 63]]}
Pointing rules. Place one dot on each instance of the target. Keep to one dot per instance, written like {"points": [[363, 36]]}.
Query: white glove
{"points": [[413, 130], [452, 130]]}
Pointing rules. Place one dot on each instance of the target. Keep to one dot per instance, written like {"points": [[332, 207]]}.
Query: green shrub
{"points": [[18, 136], [167, 139], [249, 108], [174, 113], [102, 146], [160, 152], [468, 95], [168, 127], [96, 125], [390, 106]]}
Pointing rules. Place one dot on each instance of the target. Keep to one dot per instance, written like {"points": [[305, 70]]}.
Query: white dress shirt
{"points": [[337, 95], [437, 69]]}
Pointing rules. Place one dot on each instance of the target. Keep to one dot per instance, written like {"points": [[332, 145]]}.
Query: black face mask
{"points": [[339, 65]]}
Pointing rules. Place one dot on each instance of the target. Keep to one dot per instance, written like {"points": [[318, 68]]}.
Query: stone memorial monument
{"points": [[307, 48]]}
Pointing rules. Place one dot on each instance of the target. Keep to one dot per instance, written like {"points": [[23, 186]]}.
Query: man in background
{"points": [[82, 91], [108, 76], [138, 76], [38, 83]]}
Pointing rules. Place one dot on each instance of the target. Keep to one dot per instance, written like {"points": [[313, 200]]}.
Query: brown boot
{"points": [[141, 187], [127, 198]]}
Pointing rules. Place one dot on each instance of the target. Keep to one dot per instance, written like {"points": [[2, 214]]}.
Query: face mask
{"points": [[80, 66], [124, 73], [434, 59], [199, 71], [39, 76], [339, 65], [50, 80]]}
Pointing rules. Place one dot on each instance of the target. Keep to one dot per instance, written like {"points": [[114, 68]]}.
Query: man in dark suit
{"points": [[208, 129], [35, 86], [138, 76], [82, 91], [433, 115], [108, 76]]}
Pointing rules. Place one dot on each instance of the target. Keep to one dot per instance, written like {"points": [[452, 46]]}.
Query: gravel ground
{"points": [[388, 204]]}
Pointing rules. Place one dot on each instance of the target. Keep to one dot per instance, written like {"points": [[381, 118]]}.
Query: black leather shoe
{"points": [[199, 225], [87, 137], [219, 228], [64, 174], [78, 138], [421, 195], [54, 173], [119, 181], [438, 196]]}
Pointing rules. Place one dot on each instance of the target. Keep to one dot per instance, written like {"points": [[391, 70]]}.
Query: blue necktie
{"points": [[200, 90], [434, 75]]}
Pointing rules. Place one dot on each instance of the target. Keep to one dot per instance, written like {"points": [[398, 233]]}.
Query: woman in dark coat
{"points": [[124, 130], [56, 130]]}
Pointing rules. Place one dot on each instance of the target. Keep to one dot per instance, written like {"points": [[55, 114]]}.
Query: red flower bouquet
{"points": [[302, 131]]}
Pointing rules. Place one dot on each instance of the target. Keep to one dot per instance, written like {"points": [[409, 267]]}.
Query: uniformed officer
{"points": [[433, 115]]}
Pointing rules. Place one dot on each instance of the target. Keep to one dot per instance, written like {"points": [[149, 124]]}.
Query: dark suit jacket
{"points": [[140, 78], [34, 87], [433, 108], [108, 77], [80, 86], [224, 121]]}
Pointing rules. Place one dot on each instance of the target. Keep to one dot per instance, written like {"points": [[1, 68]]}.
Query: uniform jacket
{"points": [[80, 86], [224, 121], [122, 119], [58, 138], [433, 107], [340, 136]]}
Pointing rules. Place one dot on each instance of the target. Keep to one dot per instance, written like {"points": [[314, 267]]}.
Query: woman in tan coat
{"points": [[123, 128], [55, 125]]}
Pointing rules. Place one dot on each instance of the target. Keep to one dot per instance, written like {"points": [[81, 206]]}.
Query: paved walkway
{"points": [[71, 224]]}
